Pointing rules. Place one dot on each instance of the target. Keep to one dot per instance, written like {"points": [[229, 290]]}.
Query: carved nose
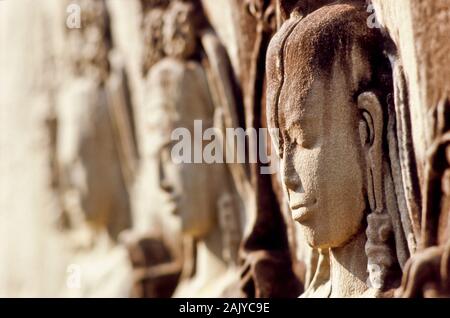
{"points": [[290, 177], [293, 182], [165, 186], [164, 183]]}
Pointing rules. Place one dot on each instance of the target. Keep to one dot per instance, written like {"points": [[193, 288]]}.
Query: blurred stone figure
{"points": [[33, 252], [201, 195], [423, 102], [155, 241], [95, 155], [152, 24]]}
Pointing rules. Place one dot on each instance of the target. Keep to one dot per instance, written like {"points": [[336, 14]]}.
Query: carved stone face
{"points": [[153, 38], [190, 192], [320, 150], [90, 45], [178, 95], [179, 31], [88, 166]]}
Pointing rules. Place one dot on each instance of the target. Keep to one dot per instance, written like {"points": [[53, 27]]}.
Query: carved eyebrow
{"points": [[293, 126], [293, 130]]}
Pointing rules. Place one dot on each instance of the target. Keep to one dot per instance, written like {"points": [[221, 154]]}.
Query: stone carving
{"points": [[88, 133], [268, 262], [90, 45], [152, 24], [427, 273], [335, 166], [359, 93], [33, 253], [182, 90], [95, 153], [422, 103]]}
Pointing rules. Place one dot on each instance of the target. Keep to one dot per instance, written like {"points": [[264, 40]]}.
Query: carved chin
{"points": [[324, 237], [196, 227], [195, 231], [314, 238]]}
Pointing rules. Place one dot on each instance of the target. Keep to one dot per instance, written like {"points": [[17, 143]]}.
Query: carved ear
{"points": [[371, 134]]}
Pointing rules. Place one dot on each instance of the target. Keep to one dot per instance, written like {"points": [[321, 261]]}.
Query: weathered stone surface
{"points": [[94, 203]]}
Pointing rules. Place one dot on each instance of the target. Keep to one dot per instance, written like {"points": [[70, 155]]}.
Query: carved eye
{"points": [[302, 142], [306, 132], [305, 141]]}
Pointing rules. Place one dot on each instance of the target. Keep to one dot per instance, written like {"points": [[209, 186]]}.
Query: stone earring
{"points": [[229, 224], [379, 227]]}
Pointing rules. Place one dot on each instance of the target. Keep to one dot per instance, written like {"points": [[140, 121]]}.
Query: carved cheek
{"points": [[308, 167]]}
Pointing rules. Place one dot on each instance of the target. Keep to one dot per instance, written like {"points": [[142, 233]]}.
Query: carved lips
{"points": [[302, 209], [173, 202]]}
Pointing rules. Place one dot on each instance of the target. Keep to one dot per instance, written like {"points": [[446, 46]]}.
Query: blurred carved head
{"points": [[179, 30], [152, 28], [90, 45], [179, 96], [91, 181]]}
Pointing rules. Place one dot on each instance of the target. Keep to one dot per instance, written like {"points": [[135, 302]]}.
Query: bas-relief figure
{"points": [[364, 177], [181, 89], [154, 243], [417, 31], [336, 163], [427, 273], [93, 156], [32, 252], [269, 266], [152, 24]]}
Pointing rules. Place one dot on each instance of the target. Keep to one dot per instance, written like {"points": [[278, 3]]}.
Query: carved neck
{"points": [[214, 272], [349, 268], [210, 264], [212, 276]]}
